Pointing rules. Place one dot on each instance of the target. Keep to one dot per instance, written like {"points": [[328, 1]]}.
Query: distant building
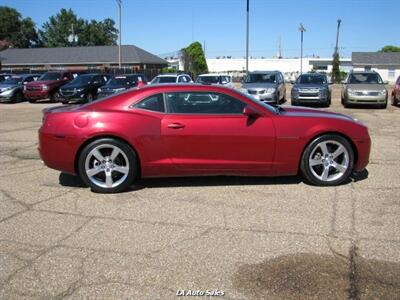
{"points": [[133, 59], [387, 64]]}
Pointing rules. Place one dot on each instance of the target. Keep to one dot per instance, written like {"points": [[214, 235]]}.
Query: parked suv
{"points": [[364, 87], [267, 86], [11, 89], [121, 83], [82, 89], [396, 93], [172, 78], [47, 86], [215, 79], [311, 88]]}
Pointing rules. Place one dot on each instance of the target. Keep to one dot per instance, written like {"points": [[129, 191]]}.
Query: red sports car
{"points": [[194, 130]]}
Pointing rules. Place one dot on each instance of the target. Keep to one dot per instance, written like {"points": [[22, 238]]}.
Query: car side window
{"points": [[181, 79], [188, 79], [153, 103], [203, 103]]}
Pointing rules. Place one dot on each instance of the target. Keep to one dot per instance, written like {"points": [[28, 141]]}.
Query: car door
{"points": [[207, 132]]}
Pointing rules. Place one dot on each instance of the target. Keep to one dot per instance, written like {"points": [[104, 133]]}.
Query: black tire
{"points": [[64, 101], [311, 147], [54, 97], [394, 101], [89, 98], [18, 97], [383, 106], [345, 104], [129, 154], [32, 101]]}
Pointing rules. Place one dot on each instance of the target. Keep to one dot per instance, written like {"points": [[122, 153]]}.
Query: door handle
{"points": [[175, 125]]}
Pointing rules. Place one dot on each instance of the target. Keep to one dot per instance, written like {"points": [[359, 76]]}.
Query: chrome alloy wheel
{"points": [[107, 166], [329, 160]]}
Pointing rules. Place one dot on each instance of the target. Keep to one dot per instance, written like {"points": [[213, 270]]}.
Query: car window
{"points": [[311, 79], [203, 103], [260, 78], [188, 79], [153, 103], [362, 78]]}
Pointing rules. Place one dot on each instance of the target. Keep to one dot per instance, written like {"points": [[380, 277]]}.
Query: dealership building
{"points": [[104, 58], [387, 64]]}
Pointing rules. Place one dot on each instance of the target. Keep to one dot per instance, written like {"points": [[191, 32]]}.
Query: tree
{"points": [[194, 60], [335, 68], [390, 48], [55, 32], [16, 31]]}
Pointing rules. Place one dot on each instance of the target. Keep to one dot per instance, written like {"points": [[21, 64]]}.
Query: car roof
{"points": [[213, 74], [171, 75], [263, 72], [313, 74]]}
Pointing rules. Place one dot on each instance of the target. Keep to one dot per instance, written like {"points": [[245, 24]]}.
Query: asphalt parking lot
{"points": [[250, 238]]}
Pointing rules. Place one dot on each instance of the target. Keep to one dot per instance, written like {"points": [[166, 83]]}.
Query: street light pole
{"points": [[337, 37], [302, 30], [119, 2], [247, 36]]}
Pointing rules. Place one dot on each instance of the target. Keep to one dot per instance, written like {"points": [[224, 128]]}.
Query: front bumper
{"points": [[79, 96], [311, 99], [354, 99], [363, 150], [6, 96], [35, 95]]}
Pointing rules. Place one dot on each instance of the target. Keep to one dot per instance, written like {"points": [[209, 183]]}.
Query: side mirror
{"points": [[386, 82], [251, 112]]}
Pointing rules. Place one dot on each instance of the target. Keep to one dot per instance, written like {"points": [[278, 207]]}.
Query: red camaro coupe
{"points": [[193, 130]]}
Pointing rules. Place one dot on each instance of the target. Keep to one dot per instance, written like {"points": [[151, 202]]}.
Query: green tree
{"points": [[194, 60], [335, 69], [55, 32], [16, 31], [390, 48]]}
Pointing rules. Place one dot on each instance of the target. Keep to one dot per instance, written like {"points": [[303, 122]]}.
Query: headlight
{"points": [[382, 93], [79, 90], [45, 87], [243, 90], [6, 89], [295, 89], [270, 90], [119, 90], [350, 92], [99, 90]]}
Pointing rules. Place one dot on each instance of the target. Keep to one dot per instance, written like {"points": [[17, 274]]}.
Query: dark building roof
{"points": [[376, 58], [78, 55]]}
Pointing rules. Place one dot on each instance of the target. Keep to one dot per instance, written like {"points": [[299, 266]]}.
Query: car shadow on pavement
{"points": [[69, 180]]}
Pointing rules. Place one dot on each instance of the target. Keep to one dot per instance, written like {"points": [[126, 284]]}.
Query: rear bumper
{"points": [[58, 151], [363, 150]]}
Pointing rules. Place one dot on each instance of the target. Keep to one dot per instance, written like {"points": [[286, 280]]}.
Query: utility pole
{"points": [[119, 2], [204, 48], [302, 30], [247, 36], [73, 38], [337, 37]]}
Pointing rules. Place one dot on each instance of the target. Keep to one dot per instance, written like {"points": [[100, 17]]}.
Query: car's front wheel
{"points": [[108, 165], [328, 160]]}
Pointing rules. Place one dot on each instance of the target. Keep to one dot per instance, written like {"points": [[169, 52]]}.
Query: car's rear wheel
{"points": [[328, 160], [108, 165]]}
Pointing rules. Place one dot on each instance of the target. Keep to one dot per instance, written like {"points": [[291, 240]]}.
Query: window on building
{"points": [[391, 72]]}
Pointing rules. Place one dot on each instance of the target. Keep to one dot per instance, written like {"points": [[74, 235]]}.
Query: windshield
{"points": [[260, 78], [164, 79], [365, 78], [208, 79], [50, 76], [13, 80], [121, 80], [83, 79], [312, 79]]}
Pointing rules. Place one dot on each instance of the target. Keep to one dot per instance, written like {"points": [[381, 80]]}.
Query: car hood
{"points": [[69, 86], [4, 85], [290, 111], [41, 82], [113, 87], [258, 85], [366, 87], [310, 86]]}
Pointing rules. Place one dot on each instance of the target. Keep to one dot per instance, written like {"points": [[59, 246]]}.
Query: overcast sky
{"points": [[162, 26]]}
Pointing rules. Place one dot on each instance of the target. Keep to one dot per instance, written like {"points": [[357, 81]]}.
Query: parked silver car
{"points": [[364, 87], [11, 88], [311, 88], [266, 86], [215, 79]]}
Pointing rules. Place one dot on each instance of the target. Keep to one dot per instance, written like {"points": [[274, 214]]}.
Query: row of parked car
{"points": [[361, 87]]}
